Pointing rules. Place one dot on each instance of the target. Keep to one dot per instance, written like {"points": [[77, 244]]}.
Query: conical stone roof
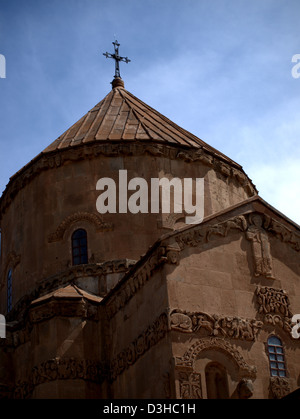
{"points": [[118, 118], [121, 116]]}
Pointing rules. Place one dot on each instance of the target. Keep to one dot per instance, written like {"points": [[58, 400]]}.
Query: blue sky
{"points": [[219, 68]]}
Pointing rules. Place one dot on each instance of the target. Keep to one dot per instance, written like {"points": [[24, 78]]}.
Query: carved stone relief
{"points": [[256, 227], [60, 369], [274, 306], [279, 387], [95, 219], [146, 340], [190, 385], [137, 278], [169, 254], [215, 325], [203, 234], [284, 234], [71, 368], [186, 362], [254, 232], [260, 247]]}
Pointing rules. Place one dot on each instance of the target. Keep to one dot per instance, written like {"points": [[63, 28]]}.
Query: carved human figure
{"points": [[261, 248]]}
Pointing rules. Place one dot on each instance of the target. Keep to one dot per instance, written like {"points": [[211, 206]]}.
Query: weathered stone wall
{"points": [[138, 346], [39, 217], [223, 310]]}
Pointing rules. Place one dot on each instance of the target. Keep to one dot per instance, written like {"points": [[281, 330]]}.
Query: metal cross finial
{"points": [[117, 58]]}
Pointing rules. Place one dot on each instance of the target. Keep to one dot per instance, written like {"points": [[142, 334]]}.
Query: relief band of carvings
{"points": [[254, 232], [60, 369], [94, 219], [215, 325], [145, 341], [205, 233], [256, 227], [70, 368], [274, 306], [81, 309], [199, 234], [186, 362], [284, 234]]}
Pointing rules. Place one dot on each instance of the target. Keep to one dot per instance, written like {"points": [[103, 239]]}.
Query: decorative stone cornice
{"points": [[48, 161], [283, 233], [67, 302], [204, 233], [168, 250], [56, 308], [68, 276]]}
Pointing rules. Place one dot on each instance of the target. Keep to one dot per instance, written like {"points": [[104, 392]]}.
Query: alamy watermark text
{"points": [[2, 327], [296, 68], [152, 198], [2, 67]]}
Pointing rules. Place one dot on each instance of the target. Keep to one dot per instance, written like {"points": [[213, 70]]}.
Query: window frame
{"points": [[274, 351], [83, 256]]}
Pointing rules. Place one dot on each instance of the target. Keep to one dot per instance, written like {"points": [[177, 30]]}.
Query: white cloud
{"points": [[279, 185]]}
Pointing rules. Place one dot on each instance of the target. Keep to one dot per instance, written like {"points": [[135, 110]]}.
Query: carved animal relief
{"points": [[215, 325]]}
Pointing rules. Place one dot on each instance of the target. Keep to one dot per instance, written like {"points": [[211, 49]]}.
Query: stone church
{"points": [[144, 305]]}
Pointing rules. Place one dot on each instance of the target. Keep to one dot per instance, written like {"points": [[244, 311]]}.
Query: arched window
{"points": [[9, 290], [216, 381], [276, 357], [79, 247]]}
